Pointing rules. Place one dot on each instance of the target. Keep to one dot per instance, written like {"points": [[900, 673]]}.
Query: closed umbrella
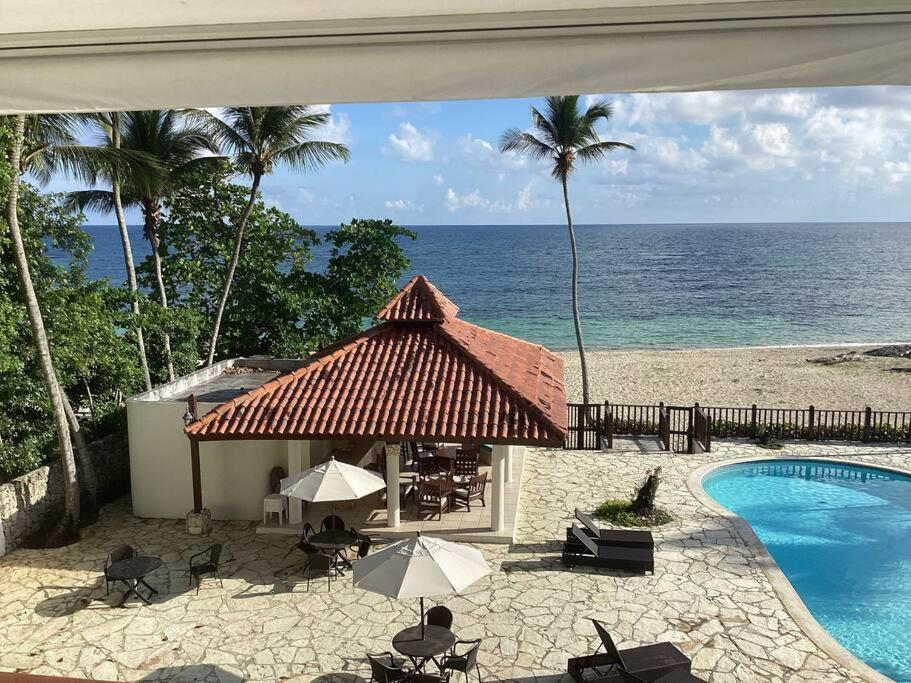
{"points": [[420, 567], [332, 482]]}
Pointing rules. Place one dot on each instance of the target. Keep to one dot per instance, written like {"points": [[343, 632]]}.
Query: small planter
{"points": [[199, 523]]}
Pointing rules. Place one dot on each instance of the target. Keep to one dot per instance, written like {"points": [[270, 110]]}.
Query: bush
{"points": [[620, 513]]}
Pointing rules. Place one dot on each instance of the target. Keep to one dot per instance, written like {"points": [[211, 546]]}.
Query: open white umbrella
{"points": [[332, 482], [420, 567]]}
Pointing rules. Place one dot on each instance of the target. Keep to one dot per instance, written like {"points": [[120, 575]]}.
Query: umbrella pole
{"points": [[422, 618]]}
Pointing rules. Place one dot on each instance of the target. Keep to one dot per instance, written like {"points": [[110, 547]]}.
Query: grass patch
{"points": [[620, 513]]}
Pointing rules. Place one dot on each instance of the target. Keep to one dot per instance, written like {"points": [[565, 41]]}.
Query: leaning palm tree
{"points": [[261, 138], [564, 134], [110, 127], [69, 525], [178, 145]]}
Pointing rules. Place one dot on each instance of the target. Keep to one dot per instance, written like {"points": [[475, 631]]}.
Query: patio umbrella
{"points": [[420, 567], [332, 482]]}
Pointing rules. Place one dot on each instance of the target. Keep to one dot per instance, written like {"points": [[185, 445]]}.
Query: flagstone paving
{"points": [[708, 594]]}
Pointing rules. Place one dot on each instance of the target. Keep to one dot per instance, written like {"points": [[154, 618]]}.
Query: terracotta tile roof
{"points": [[408, 379], [418, 301]]}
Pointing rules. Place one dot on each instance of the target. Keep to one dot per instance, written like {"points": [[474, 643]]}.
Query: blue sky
{"points": [[839, 154]]}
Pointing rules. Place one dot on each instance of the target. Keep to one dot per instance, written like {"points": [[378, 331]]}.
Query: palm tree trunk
{"points": [[87, 467], [128, 258], [152, 215], [232, 266], [575, 289], [69, 525]]}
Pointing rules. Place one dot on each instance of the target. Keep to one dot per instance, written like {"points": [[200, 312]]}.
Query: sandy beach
{"points": [[767, 376]]}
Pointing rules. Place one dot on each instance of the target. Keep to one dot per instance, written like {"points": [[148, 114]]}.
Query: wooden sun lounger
{"points": [[590, 545], [661, 661]]}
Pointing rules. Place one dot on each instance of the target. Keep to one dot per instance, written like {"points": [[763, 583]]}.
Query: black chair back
{"points": [[215, 554], [319, 561], [439, 615], [363, 548], [382, 672], [308, 531], [332, 522], [471, 657], [121, 552], [276, 474]]}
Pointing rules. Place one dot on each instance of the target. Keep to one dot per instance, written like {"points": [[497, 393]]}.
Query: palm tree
{"points": [[260, 138], [69, 525], [178, 145], [565, 134], [110, 126]]}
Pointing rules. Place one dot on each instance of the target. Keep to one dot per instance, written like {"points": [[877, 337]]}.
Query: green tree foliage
{"points": [[278, 305], [95, 361]]}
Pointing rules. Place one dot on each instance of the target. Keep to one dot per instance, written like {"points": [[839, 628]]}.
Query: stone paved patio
{"points": [[708, 594]]}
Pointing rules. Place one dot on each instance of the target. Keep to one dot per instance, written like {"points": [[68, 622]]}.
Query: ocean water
{"points": [[658, 286], [840, 534]]}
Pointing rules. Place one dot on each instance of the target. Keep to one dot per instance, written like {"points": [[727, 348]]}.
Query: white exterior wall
{"points": [[235, 474]]}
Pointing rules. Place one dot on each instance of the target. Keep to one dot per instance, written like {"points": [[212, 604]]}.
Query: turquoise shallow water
{"points": [[842, 536], [657, 285]]}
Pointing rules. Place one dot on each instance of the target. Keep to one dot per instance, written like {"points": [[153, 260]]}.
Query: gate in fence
{"points": [[689, 429]]}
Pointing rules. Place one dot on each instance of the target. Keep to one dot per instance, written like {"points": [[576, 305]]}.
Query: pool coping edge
{"points": [[780, 583]]}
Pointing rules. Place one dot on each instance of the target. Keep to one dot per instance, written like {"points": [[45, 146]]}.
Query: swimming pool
{"points": [[842, 536]]}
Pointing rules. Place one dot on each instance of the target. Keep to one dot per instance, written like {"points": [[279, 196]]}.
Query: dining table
{"points": [[334, 541], [131, 572], [421, 644]]}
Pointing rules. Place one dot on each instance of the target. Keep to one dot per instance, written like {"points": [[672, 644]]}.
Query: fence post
{"points": [[868, 414], [690, 431], [599, 425], [811, 427], [753, 421]]}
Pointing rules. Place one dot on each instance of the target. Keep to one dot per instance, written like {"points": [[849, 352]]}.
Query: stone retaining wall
{"points": [[27, 502]]}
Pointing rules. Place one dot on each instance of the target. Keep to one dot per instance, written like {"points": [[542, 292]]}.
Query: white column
{"points": [[393, 512], [498, 477], [508, 466], [298, 460]]}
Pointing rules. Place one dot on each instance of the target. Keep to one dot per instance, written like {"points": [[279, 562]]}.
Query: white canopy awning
{"points": [[81, 55]]}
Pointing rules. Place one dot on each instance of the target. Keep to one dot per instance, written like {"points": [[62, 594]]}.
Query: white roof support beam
{"points": [[89, 55]]}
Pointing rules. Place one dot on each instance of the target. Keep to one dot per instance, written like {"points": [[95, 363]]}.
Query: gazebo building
{"points": [[421, 375]]}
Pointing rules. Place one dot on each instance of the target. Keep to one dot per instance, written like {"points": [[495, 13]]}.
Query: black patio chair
{"points": [[381, 672], [464, 662], [303, 541], [332, 522], [320, 564], [439, 615], [363, 549], [121, 552], [205, 563]]}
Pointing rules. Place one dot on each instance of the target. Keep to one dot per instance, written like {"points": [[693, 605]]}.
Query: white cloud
{"points": [[525, 200], [410, 144], [480, 153], [339, 127], [438, 180], [403, 205]]}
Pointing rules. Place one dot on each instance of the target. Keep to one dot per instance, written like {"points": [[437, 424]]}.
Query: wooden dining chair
{"points": [[433, 496]]}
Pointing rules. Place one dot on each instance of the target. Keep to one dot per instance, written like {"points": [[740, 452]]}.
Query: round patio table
{"points": [[334, 541], [131, 572], [436, 641]]}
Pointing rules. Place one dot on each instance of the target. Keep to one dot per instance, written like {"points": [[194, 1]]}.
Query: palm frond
{"points": [[98, 201], [312, 154], [515, 140], [598, 150]]}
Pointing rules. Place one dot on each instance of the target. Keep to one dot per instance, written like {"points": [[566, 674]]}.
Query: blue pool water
{"points": [[842, 536]]}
